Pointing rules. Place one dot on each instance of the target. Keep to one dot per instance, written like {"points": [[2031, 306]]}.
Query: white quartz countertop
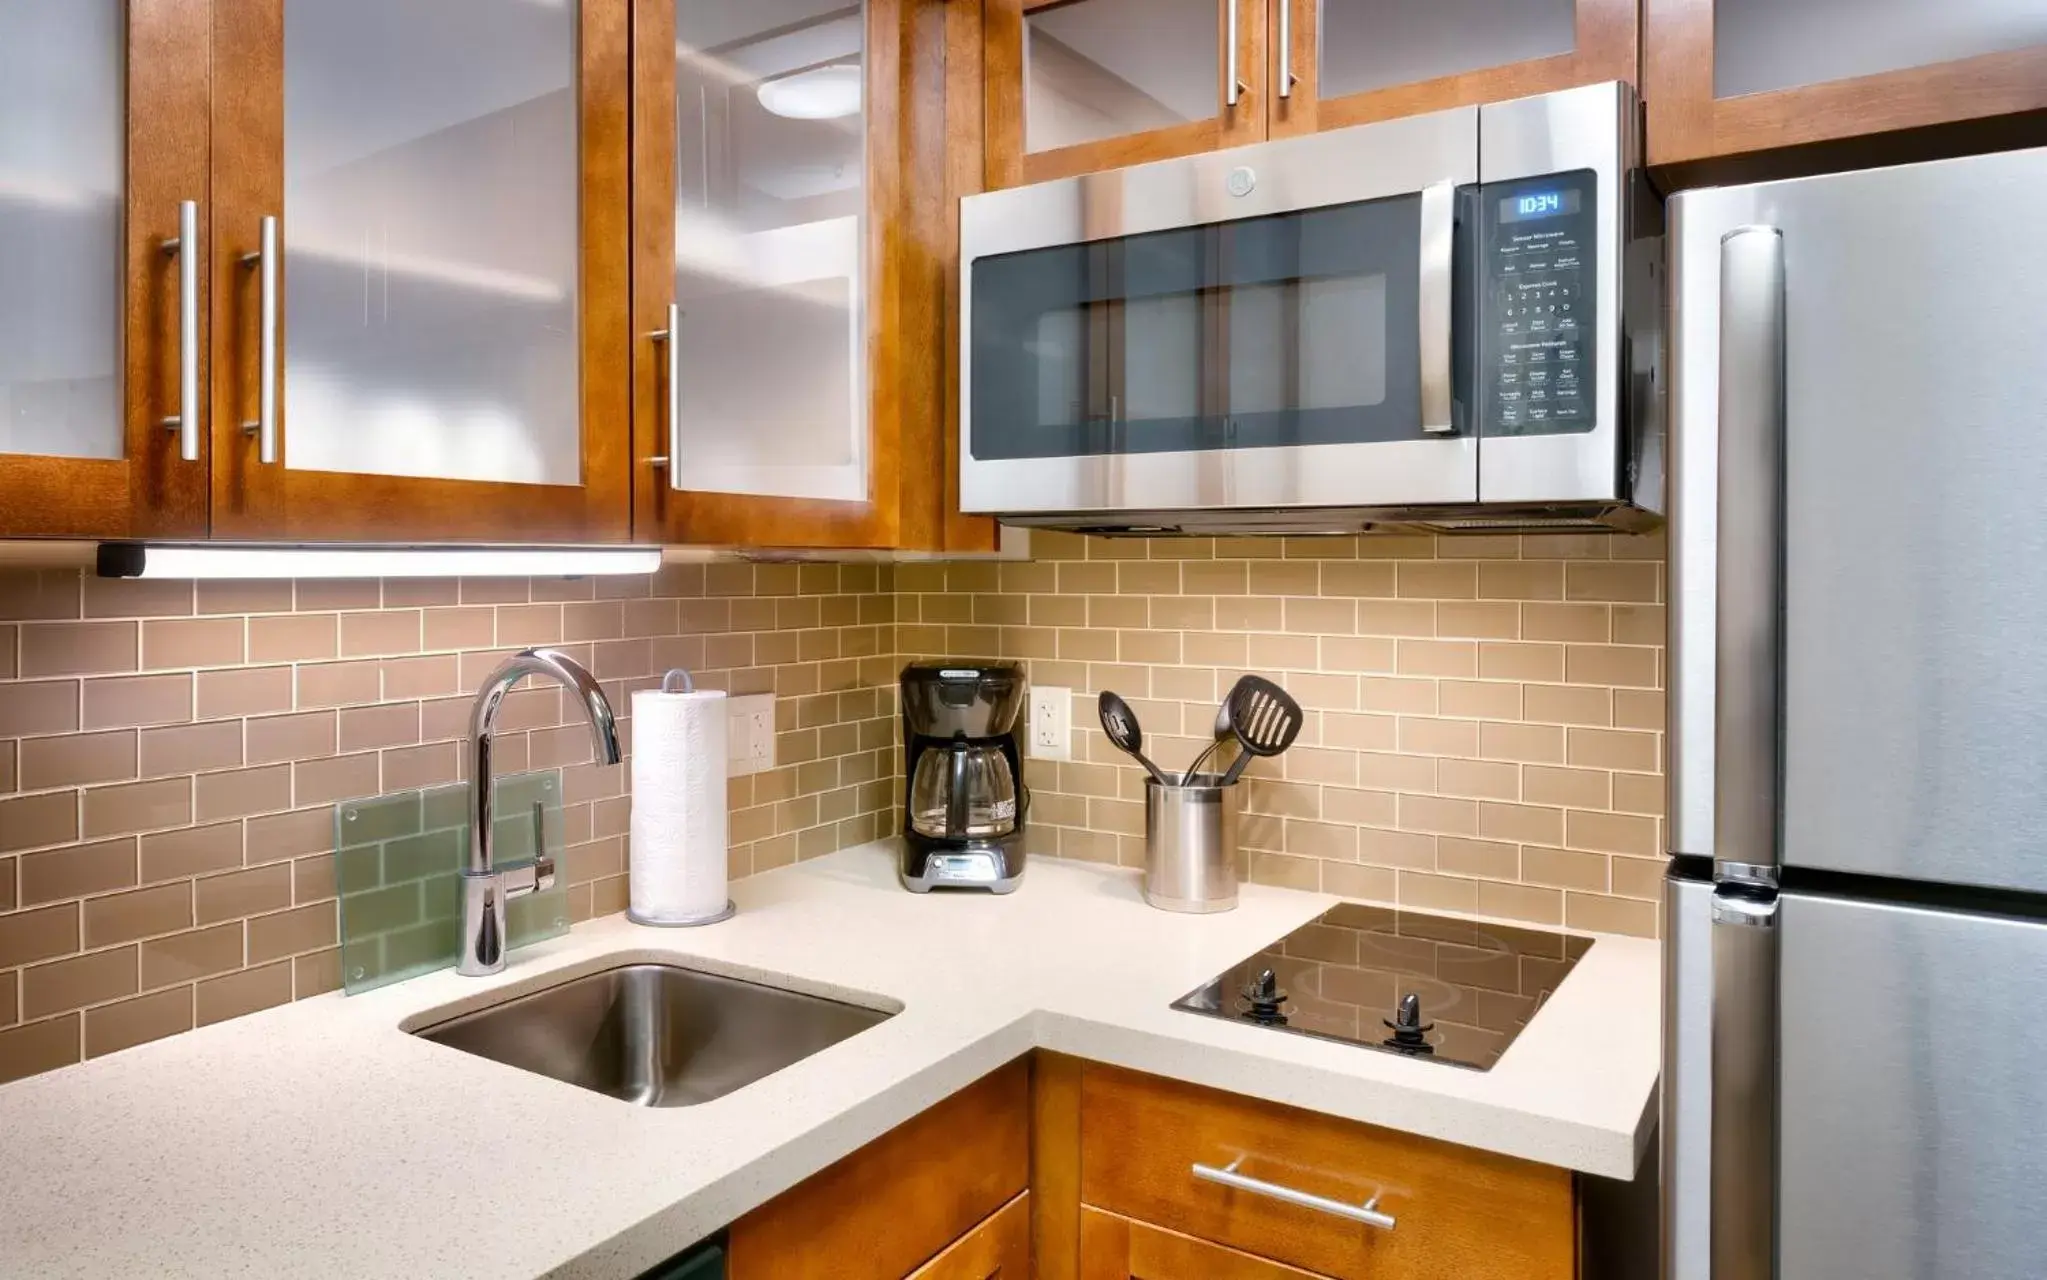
{"points": [[321, 1139]]}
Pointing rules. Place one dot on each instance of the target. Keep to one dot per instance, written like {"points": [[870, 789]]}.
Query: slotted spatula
{"points": [[1266, 720]]}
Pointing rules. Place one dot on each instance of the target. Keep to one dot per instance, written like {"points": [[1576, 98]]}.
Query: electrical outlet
{"points": [[749, 734], [1051, 722]]}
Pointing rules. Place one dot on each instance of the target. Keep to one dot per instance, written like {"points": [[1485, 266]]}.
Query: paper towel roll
{"points": [[678, 833]]}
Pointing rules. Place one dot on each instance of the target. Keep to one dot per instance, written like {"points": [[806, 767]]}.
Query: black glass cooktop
{"points": [[1432, 987]]}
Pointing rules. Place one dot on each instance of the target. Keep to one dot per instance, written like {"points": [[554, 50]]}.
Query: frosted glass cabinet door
{"points": [[1097, 84], [97, 317], [430, 234], [1346, 62], [1731, 77], [62, 136], [770, 225], [406, 313]]}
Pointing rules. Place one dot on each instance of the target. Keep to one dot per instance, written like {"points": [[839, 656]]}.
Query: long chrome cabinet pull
{"points": [[1748, 589], [1438, 247], [671, 340], [1233, 86], [1286, 48], [264, 263], [1367, 1213], [185, 247]]}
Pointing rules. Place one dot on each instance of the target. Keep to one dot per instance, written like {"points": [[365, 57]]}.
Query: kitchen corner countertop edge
{"points": [[320, 1138]]}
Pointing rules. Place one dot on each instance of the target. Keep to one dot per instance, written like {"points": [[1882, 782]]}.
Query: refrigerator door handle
{"points": [[1743, 1183], [1748, 655]]}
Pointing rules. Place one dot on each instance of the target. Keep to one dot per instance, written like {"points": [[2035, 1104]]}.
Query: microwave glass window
{"points": [[1292, 329], [1097, 69]]}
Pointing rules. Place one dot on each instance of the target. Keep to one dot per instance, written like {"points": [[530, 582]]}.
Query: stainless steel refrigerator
{"points": [[1855, 1068]]}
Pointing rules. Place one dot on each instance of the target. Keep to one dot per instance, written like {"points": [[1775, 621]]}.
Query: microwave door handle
{"points": [[1435, 311]]}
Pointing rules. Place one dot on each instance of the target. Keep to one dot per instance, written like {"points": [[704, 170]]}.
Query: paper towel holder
{"points": [[689, 685]]}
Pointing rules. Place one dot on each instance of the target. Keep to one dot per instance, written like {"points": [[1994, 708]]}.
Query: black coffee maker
{"points": [[963, 792]]}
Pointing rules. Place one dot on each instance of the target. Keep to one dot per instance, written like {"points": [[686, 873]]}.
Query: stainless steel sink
{"points": [[655, 1035]]}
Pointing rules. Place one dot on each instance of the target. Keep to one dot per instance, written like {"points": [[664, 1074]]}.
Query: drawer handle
{"points": [[1367, 1213]]}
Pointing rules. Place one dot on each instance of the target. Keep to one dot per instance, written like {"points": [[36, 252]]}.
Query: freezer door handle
{"points": [[1748, 651], [1743, 1185]]}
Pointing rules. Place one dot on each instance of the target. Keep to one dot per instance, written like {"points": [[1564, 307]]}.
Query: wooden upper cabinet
{"points": [[417, 270], [1727, 78], [103, 139], [1343, 62], [788, 161], [1077, 86]]}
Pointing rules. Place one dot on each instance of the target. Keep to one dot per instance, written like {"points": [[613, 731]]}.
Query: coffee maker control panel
{"points": [[976, 867]]}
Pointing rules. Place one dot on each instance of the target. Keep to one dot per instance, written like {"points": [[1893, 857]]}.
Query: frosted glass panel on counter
{"points": [[431, 239], [1108, 68], [62, 126], [1372, 44], [1760, 45], [770, 218], [397, 861]]}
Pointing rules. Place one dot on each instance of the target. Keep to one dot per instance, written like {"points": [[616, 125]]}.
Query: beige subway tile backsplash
{"points": [[1484, 714], [170, 753], [1484, 732]]}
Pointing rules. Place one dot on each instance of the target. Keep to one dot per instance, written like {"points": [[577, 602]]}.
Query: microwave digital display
{"points": [[1529, 205]]}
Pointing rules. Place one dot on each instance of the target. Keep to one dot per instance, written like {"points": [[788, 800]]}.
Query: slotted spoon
{"points": [[1120, 723]]}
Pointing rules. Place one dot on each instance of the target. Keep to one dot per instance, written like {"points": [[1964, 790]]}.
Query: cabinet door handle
{"points": [[1227, 1176], [264, 262], [185, 248], [1286, 48], [671, 340], [1234, 87], [1437, 304]]}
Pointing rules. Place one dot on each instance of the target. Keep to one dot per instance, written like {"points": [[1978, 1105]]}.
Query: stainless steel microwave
{"points": [[1447, 321]]}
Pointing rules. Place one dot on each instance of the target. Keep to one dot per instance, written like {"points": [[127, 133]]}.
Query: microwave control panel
{"points": [[1536, 374]]}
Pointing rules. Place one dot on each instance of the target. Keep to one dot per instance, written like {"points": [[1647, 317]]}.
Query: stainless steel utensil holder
{"points": [[1190, 844]]}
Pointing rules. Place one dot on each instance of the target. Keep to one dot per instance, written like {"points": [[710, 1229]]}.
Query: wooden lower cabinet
{"points": [[1113, 1248], [1059, 1169], [1116, 1191], [902, 1200], [998, 1249]]}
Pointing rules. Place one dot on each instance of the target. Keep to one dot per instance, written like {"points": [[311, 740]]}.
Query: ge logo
{"points": [[1240, 180]]}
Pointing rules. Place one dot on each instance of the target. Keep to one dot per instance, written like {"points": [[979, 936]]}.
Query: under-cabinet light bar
{"points": [[149, 560]]}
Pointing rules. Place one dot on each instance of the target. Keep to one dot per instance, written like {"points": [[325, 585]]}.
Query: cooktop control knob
{"points": [[1410, 1033], [1263, 998]]}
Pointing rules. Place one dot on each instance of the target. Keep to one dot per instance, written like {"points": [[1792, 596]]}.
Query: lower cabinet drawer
{"points": [[1293, 1185], [998, 1249], [898, 1202], [1113, 1248]]}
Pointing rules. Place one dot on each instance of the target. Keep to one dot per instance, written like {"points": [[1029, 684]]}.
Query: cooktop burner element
{"points": [[1450, 990]]}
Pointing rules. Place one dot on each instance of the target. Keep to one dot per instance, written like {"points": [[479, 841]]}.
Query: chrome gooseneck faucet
{"points": [[485, 889]]}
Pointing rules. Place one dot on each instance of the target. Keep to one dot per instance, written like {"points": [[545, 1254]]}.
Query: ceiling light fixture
{"points": [[821, 93], [153, 560]]}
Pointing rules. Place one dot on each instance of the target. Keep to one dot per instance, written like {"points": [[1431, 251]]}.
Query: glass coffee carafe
{"points": [[963, 790]]}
